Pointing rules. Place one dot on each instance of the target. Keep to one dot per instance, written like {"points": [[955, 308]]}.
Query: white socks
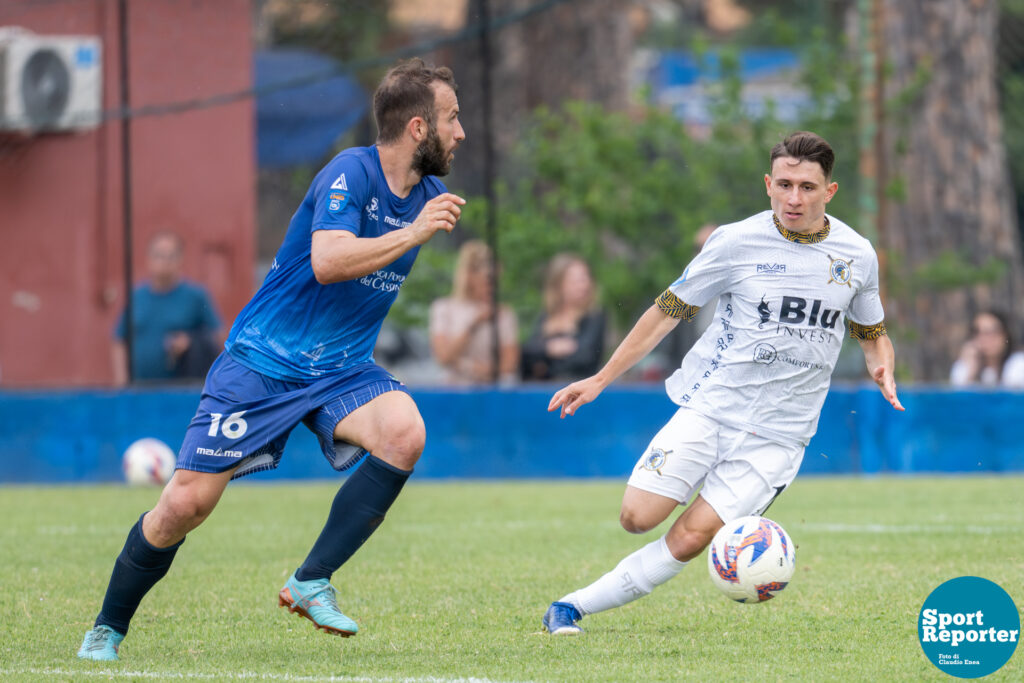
{"points": [[634, 577]]}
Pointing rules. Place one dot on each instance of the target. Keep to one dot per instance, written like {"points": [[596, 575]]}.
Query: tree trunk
{"points": [[943, 144], [574, 50]]}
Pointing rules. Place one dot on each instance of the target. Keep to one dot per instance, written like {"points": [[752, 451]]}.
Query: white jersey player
{"points": [[788, 282]]}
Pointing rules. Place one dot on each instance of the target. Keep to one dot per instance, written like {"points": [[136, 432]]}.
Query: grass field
{"points": [[454, 585]]}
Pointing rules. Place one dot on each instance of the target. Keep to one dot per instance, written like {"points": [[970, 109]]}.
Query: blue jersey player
{"points": [[301, 351]]}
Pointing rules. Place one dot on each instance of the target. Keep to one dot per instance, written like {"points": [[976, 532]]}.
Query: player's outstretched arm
{"points": [[649, 330], [881, 359], [338, 255]]}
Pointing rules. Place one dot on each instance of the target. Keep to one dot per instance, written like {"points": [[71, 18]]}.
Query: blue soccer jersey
{"points": [[295, 327]]}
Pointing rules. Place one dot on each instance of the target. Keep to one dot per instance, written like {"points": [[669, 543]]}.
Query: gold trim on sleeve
{"points": [[866, 332], [675, 307]]}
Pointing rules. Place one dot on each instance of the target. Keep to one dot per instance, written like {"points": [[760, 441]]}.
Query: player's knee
{"points": [[182, 510], [403, 443], [637, 521]]}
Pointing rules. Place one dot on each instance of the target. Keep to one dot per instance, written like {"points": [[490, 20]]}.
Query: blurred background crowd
{"points": [[153, 156]]}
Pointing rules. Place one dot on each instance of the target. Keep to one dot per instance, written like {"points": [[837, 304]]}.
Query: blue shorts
{"points": [[244, 417]]}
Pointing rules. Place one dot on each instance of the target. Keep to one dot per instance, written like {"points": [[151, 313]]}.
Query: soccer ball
{"points": [[751, 559], [148, 462]]}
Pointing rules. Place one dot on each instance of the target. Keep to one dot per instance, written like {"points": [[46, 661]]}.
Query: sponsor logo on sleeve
{"points": [[336, 201], [339, 183]]}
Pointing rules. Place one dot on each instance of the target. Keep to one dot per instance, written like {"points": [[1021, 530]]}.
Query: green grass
{"points": [[455, 582]]}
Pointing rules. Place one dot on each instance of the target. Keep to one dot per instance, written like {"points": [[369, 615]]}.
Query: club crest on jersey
{"points": [[655, 460], [840, 271]]}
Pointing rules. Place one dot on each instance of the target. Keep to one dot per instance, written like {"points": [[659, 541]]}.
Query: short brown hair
{"points": [[805, 146], [404, 93]]}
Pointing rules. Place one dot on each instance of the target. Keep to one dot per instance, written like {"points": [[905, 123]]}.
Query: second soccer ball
{"points": [[148, 462]]}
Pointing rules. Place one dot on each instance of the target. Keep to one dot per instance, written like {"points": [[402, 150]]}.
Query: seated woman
{"points": [[988, 358], [567, 341], [462, 328]]}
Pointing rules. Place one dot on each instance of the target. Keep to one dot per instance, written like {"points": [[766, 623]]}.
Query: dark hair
{"points": [[805, 146], [1004, 323], [405, 93]]}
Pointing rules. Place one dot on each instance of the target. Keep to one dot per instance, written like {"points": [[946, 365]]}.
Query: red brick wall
{"points": [[61, 222]]}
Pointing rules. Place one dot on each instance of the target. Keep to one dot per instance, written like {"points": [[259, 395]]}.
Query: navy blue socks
{"points": [[137, 569], [357, 511]]}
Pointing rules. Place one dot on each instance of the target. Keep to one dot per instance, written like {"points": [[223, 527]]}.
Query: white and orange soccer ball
{"points": [[751, 559], [148, 462]]}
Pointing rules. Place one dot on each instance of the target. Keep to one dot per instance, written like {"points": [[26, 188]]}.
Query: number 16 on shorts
{"points": [[232, 428]]}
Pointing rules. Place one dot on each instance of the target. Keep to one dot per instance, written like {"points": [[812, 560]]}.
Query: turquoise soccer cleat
{"points": [[561, 618], [101, 644], [317, 601]]}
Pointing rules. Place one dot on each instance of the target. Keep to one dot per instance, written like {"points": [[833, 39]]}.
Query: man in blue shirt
{"points": [[173, 321], [301, 351]]}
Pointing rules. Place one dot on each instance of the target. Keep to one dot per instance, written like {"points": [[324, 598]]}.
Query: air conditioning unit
{"points": [[49, 83]]}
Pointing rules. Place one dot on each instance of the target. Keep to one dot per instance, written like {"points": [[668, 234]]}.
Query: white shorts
{"points": [[742, 473]]}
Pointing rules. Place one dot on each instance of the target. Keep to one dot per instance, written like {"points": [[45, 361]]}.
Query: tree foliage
{"points": [[628, 191]]}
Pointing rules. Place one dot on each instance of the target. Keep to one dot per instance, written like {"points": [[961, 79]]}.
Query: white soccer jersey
{"points": [[765, 362]]}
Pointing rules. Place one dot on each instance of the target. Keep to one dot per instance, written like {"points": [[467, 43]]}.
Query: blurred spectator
{"points": [[174, 324], [988, 358], [461, 327], [567, 341]]}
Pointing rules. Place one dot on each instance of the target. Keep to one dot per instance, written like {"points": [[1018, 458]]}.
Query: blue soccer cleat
{"points": [[317, 601], [101, 644], [561, 618]]}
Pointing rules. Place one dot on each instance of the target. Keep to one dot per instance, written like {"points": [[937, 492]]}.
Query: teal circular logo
{"points": [[968, 627]]}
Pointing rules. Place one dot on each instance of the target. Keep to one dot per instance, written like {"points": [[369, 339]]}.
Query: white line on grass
{"points": [[906, 528], [238, 676]]}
